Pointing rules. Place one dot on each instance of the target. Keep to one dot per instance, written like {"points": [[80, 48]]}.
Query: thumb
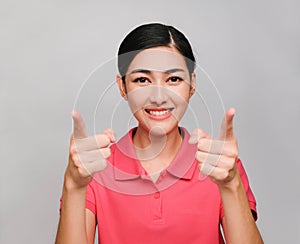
{"points": [[197, 134], [79, 129], [227, 125]]}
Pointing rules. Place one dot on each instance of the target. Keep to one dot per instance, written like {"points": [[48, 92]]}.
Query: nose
{"points": [[158, 95]]}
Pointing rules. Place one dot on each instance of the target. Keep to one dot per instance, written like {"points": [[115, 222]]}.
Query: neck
{"points": [[157, 147]]}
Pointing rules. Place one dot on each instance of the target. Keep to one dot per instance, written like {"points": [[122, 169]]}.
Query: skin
{"points": [[217, 159], [157, 86], [86, 156], [158, 94]]}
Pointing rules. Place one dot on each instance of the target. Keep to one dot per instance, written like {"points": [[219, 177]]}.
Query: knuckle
{"points": [[205, 169], [72, 155], [229, 164], [97, 166], [107, 152], [76, 158], [233, 153], [102, 140], [199, 156], [106, 139], [225, 174], [104, 151], [222, 175], [73, 149], [76, 162]]}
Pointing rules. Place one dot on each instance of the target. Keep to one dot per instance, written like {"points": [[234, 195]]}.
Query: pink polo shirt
{"points": [[178, 208]]}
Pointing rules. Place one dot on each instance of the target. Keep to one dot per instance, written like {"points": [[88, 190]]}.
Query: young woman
{"points": [[145, 188]]}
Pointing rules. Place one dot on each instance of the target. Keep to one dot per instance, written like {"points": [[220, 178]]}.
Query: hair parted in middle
{"points": [[149, 36]]}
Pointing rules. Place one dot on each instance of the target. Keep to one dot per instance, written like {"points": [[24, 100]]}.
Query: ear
{"points": [[122, 87], [193, 84]]}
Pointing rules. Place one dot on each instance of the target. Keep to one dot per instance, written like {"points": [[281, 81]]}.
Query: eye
{"points": [[175, 79], [141, 80]]}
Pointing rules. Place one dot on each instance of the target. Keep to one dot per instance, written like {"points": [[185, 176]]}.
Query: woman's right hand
{"points": [[87, 154]]}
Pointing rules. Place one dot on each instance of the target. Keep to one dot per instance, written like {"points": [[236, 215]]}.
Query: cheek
{"points": [[181, 101], [181, 106], [137, 99], [181, 95]]}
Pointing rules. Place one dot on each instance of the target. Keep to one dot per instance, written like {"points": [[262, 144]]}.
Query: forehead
{"points": [[158, 59]]}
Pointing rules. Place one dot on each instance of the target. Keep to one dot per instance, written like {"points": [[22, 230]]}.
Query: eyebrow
{"points": [[146, 71]]}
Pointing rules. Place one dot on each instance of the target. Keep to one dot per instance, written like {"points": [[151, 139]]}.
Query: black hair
{"points": [[153, 35]]}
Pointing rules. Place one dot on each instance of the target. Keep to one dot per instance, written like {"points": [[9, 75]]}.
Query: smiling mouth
{"points": [[159, 112]]}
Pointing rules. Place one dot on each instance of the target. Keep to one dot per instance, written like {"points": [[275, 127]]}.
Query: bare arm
{"points": [[77, 224], [72, 226], [218, 159], [238, 223], [87, 156]]}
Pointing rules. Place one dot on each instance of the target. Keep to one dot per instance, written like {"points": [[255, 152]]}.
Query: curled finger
{"points": [[90, 156], [208, 158], [95, 166], [111, 134], [86, 144], [205, 170]]}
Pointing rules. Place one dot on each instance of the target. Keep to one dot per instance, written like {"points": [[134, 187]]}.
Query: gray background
{"points": [[49, 48]]}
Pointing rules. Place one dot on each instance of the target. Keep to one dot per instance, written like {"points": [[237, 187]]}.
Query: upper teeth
{"points": [[159, 113]]}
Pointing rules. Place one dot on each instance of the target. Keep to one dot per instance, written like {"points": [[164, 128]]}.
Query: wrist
{"points": [[231, 186], [71, 186]]}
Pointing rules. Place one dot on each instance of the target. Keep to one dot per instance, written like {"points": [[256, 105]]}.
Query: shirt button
{"points": [[156, 195]]}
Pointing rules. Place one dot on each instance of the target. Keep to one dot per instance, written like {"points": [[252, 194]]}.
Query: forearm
{"points": [[72, 221], [238, 223]]}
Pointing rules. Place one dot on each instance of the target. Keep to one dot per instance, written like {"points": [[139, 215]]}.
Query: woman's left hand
{"points": [[217, 157]]}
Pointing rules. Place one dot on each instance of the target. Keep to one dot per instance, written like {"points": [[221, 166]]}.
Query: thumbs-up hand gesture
{"points": [[87, 154], [217, 157]]}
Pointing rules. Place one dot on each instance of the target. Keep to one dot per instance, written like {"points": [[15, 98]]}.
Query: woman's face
{"points": [[158, 88]]}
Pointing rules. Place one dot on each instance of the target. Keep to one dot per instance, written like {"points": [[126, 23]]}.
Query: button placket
{"points": [[157, 206]]}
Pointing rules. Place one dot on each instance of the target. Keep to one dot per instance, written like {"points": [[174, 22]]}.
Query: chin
{"points": [[158, 128], [161, 130], [158, 131]]}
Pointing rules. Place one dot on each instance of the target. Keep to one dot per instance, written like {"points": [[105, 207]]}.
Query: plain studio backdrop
{"points": [[248, 57]]}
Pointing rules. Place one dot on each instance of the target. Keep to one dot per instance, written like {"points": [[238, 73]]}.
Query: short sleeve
{"points": [[91, 199], [248, 191]]}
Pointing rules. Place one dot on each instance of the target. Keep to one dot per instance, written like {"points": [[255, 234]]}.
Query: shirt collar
{"points": [[183, 165], [128, 167]]}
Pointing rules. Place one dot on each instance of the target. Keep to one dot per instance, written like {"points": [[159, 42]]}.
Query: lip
{"points": [[158, 113]]}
